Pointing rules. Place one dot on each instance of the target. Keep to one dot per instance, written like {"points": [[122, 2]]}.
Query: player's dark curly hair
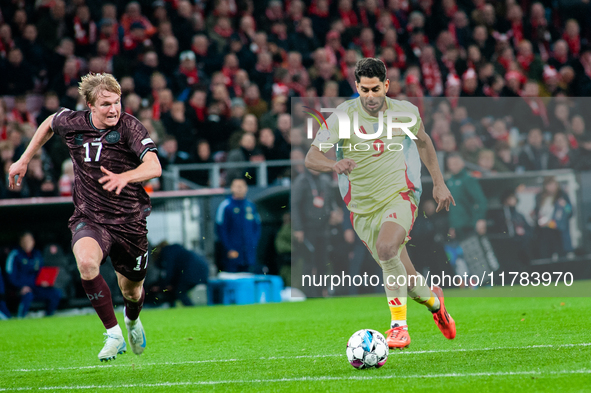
{"points": [[370, 67]]}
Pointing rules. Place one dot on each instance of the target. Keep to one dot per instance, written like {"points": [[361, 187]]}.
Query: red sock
{"points": [[132, 309], [99, 295]]}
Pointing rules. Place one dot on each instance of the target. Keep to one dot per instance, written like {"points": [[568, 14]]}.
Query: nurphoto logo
{"points": [[344, 124]]}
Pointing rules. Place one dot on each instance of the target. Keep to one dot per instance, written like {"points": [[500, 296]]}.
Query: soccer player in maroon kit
{"points": [[112, 154]]}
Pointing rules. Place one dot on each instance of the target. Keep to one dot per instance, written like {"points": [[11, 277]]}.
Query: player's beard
{"points": [[377, 101]]}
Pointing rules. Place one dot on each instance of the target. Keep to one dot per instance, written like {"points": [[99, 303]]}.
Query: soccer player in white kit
{"points": [[379, 179]]}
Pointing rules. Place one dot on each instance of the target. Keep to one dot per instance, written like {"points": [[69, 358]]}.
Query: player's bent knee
{"points": [[88, 268], [132, 294]]}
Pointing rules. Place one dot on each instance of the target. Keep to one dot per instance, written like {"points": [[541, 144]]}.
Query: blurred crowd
{"points": [[212, 80]]}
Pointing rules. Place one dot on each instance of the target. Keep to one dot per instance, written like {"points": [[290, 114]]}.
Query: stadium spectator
{"points": [[202, 155], [254, 103], [6, 151], [169, 56], [51, 104], [552, 216], [505, 156], [21, 74], [471, 147], [33, 52], [155, 127], [538, 31], [22, 268], [560, 117], [282, 132], [187, 74], [581, 160], [560, 55], [20, 114], [206, 56], [534, 155], [85, 31], [468, 215], [517, 227], [576, 130], [303, 40], [180, 271], [247, 151], [249, 124], [53, 25], [39, 181], [164, 103], [560, 155], [488, 162], [169, 153], [198, 103], [144, 72], [17, 137], [272, 151], [133, 14], [178, 125], [69, 77], [182, 25], [135, 43], [66, 180], [238, 227], [278, 106]]}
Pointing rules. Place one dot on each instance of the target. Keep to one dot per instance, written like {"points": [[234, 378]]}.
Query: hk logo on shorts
{"points": [[96, 296], [393, 215]]}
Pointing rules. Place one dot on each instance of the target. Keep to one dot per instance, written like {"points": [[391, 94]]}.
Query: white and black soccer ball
{"points": [[367, 348]]}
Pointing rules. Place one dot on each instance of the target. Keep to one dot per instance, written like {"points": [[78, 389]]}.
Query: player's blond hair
{"points": [[93, 84]]}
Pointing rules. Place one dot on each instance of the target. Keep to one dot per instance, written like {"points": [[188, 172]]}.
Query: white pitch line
{"points": [[305, 379], [392, 353]]}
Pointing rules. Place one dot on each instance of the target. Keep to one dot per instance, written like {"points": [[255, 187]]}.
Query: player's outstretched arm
{"points": [[148, 169], [317, 161], [441, 193], [19, 168]]}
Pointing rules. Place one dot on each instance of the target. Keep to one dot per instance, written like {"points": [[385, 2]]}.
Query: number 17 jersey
{"points": [[118, 149]]}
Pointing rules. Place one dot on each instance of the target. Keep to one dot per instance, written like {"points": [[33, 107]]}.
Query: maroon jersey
{"points": [[118, 149]]}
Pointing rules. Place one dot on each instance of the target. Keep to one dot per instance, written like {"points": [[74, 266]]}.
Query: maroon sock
{"points": [[99, 295], [132, 309]]}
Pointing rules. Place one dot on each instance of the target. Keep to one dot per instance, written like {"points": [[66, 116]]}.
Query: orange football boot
{"points": [[398, 338], [444, 321]]}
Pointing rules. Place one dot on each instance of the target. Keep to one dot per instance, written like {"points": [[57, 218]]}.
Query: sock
{"points": [[132, 309], [99, 295], [422, 294], [396, 294], [395, 323], [116, 330]]}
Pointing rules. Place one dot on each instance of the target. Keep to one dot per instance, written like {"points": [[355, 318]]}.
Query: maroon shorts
{"points": [[126, 244]]}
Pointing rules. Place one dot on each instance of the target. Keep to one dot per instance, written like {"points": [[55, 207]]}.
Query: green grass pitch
{"points": [[503, 344]]}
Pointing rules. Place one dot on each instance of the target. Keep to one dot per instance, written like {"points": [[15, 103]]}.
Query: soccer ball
{"points": [[367, 348]]}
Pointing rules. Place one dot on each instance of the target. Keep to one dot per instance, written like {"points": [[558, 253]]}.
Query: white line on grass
{"points": [[305, 379], [392, 353]]}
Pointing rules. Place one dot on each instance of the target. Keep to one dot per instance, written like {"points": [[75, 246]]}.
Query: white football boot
{"points": [[135, 335], [114, 345]]}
